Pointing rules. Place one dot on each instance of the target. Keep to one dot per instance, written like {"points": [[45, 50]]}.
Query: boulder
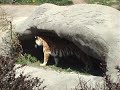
{"points": [[93, 28]]}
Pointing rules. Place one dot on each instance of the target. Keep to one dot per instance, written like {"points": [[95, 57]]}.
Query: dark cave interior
{"points": [[65, 62]]}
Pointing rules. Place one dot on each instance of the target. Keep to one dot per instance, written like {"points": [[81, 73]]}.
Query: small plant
{"points": [[26, 59]]}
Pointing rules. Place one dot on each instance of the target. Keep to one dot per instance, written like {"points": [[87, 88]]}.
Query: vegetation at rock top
{"points": [[60, 2]]}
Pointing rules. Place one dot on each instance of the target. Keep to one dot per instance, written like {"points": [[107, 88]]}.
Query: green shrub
{"points": [[26, 59], [58, 2], [104, 2]]}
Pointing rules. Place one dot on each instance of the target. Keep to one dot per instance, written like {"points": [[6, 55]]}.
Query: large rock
{"points": [[92, 28], [54, 80]]}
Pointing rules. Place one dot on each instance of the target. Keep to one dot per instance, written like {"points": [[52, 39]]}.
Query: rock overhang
{"points": [[92, 28]]}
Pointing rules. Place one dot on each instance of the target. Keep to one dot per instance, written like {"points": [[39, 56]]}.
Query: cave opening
{"points": [[71, 62]]}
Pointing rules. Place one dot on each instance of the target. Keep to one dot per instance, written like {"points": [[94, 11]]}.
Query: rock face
{"points": [[92, 28], [54, 80]]}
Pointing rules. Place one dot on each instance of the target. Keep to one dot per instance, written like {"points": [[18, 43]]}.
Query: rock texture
{"points": [[16, 14], [92, 28], [54, 80], [4, 33]]}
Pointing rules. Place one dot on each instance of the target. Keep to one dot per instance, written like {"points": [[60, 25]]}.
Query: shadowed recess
{"points": [[65, 62]]}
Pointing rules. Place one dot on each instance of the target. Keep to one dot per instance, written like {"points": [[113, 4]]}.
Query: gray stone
{"points": [[54, 80], [93, 28]]}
